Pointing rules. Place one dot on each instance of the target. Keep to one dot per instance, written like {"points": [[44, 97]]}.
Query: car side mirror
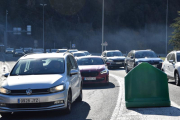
{"points": [[73, 72], [131, 57], [6, 75], [171, 61]]}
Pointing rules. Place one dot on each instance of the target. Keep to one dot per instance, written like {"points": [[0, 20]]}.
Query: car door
{"points": [[76, 77], [128, 60], [71, 78], [166, 64], [132, 60], [171, 66]]}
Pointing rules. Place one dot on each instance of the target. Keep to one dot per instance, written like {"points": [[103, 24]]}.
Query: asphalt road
{"points": [[98, 102]]}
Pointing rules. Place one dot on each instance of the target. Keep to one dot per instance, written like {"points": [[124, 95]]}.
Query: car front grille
{"points": [[90, 74], [118, 60], [34, 91], [30, 105]]}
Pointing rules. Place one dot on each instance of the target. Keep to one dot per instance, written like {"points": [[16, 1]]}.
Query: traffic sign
{"points": [[73, 45], [104, 44]]}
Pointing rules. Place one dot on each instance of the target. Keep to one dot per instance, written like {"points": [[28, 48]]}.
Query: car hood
{"points": [[32, 81], [116, 58], [92, 67], [148, 59]]}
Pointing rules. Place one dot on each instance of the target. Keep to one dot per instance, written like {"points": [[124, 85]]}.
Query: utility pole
{"points": [[43, 21], [166, 25], [5, 33], [102, 25]]}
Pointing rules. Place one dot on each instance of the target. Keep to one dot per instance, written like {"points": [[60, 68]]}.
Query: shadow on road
{"points": [[80, 111], [114, 69], [98, 86], [164, 111]]}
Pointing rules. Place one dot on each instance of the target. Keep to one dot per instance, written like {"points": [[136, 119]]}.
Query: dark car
{"points": [[136, 57], [18, 52], [9, 50], [113, 58], [27, 50]]}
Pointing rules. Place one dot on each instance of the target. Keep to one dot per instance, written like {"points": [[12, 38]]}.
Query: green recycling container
{"points": [[146, 86]]}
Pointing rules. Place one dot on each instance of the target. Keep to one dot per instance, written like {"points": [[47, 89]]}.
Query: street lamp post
{"points": [[43, 21], [166, 25], [102, 25]]}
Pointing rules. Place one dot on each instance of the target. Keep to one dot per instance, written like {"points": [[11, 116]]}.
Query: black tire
{"points": [[80, 97], [5, 114], [126, 69], [69, 103], [176, 77]]}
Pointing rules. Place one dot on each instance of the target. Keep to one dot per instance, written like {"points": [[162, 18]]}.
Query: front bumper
{"points": [[115, 64], [103, 78], [46, 102]]}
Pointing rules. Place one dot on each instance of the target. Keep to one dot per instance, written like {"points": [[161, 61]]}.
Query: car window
{"points": [[168, 57], [39, 66], [69, 66], [74, 64], [172, 57], [79, 54], [113, 54], [145, 54], [178, 57], [90, 61]]}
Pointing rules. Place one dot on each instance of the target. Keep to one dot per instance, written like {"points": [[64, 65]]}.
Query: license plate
{"points": [[90, 78], [30, 100], [118, 62]]}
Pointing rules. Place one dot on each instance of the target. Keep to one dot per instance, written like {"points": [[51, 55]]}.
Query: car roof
{"points": [[77, 52], [89, 57], [44, 55], [142, 50]]}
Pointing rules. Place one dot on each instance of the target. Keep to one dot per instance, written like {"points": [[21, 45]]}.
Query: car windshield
{"points": [[37, 50], [61, 51], [9, 48], [178, 57], [53, 50], [113, 54], [87, 53], [144, 54], [19, 50], [72, 51], [39, 66], [79, 54], [90, 61]]}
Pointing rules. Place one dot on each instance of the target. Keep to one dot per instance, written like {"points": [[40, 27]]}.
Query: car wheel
{"points": [[5, 114], [69, 102], [177, 82], [126, 69], [79, 99]]}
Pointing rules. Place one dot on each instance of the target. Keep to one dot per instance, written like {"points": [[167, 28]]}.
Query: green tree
{"points": [[175, 38]]}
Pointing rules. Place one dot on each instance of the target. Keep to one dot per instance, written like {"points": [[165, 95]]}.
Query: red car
{"points": [[93, 70]]}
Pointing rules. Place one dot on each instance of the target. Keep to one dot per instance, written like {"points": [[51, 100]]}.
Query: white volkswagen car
{"points": [[171, 66], [40, 82]]}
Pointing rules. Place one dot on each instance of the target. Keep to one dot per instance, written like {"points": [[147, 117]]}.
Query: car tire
{"points": [[5, 114], [177, 80], [126, 69], [80, 97], [69, 103], [106, 84]]}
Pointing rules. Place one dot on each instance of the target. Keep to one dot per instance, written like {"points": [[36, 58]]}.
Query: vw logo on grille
{"points": [[29, 91]]}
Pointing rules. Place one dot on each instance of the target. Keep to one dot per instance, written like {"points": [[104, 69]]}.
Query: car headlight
{"points": [[4, 91], [104, 71], [57, 88]]}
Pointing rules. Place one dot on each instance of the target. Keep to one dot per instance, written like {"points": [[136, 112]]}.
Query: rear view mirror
{"points": [[73, 72], [171, 61], [6, 75]]}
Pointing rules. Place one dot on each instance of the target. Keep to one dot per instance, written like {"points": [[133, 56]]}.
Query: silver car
{"points": [[40, 82]]}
